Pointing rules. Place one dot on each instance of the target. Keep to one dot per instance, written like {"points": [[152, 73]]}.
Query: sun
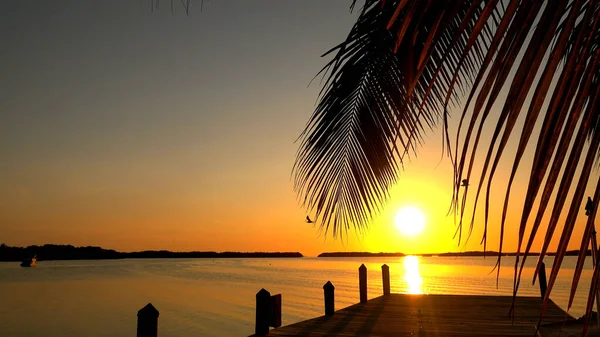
{"points": [[410, 221]]}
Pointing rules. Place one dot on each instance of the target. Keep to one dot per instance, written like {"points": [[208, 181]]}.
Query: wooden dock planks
{"points": [[430, 315]]}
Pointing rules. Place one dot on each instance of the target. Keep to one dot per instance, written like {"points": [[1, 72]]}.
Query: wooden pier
{"points": [[413, 315], [430, 315]]}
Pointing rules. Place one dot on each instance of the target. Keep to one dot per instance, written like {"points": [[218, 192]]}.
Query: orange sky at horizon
{"points": [[271, 222]]}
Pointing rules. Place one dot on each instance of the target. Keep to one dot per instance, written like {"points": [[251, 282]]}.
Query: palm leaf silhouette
{"points": [[378, 99], [401, 67]]}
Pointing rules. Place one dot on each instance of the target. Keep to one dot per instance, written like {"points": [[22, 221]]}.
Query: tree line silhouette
{"points": [[451, 254], [68, 252]]}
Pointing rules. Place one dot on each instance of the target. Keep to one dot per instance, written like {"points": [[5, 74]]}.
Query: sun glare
{"points": [[410, 221], [412, 276]]}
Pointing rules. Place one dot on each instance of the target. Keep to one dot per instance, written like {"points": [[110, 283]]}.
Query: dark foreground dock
{"points": [[416, 315], [430, 315]]}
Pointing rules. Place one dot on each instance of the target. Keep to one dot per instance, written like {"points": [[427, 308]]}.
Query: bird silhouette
{"points": [[465, 183], [308, 220]]}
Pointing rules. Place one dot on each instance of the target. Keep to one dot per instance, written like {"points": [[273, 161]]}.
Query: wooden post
{"points": [[385, 277], [328, 290], [594, 258], [590, 210], [362, 283], [543, 282], [147, 325], [275, 311], [263, 312]]}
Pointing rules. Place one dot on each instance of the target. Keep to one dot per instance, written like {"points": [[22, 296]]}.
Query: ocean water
{"points": [[205, 297]]}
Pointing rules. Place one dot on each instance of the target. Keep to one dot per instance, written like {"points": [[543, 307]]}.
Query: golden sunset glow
{"points": [[410, 221], [412, 276], [213, 174]]}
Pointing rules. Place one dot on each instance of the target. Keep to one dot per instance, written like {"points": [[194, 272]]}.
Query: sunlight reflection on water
{"points": [[412, 276]]}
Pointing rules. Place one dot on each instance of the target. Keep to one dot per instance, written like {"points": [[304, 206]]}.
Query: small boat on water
{"points": [[31, 262]]}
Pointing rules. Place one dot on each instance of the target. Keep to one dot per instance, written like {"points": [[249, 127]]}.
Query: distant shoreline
{"points": [[51, 252], [449, 254]]}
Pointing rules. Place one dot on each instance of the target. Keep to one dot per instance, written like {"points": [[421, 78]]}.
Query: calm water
{"points": [[205, 297]]}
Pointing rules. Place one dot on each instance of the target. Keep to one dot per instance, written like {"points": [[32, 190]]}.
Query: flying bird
{"points": [[308, 220]]}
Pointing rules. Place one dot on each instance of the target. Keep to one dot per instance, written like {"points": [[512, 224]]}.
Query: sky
{"points": [[134, 129]]}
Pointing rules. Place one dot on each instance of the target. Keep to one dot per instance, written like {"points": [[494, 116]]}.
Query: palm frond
{"points": [[347, 163], [382, 92], [552, 40], [544, 52], [556, 22]]}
